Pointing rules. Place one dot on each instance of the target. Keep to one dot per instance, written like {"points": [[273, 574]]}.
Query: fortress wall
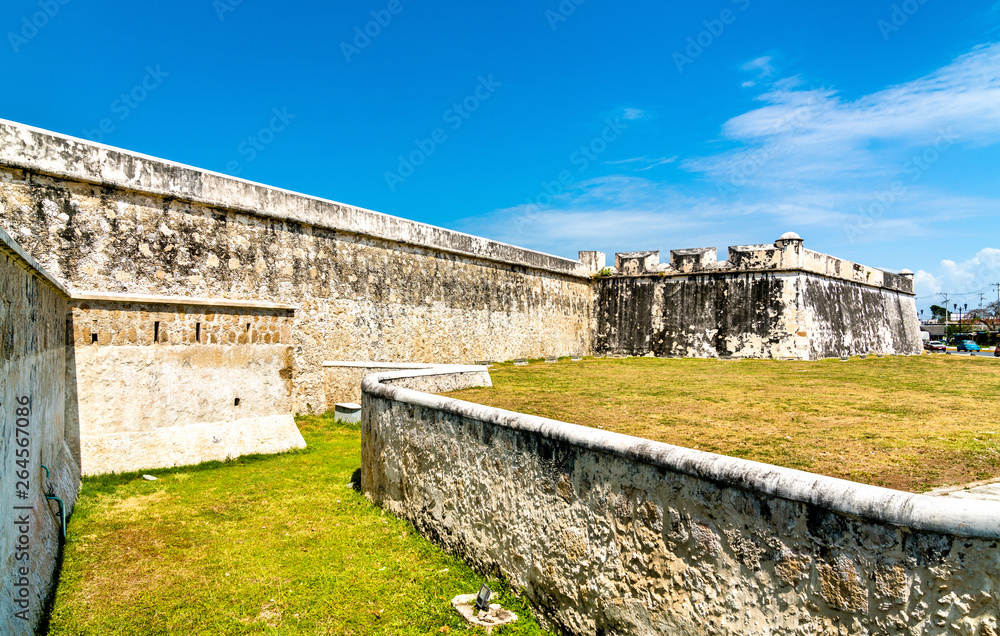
{"points": [[610, 534], [704, 316], [851, 319], [33, 432], [766, 301], [367, 286], [752, 315], [161, 384]]}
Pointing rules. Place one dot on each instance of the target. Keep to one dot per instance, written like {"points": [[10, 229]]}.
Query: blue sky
{"points": [[870, 128]]}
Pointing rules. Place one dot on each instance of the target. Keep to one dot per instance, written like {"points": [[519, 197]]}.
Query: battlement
{"points": [[787, 254]]}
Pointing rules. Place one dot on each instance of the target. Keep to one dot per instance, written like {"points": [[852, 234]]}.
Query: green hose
{"points": [[62, 506]]}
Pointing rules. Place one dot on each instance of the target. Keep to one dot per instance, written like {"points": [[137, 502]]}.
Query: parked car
{"points": [[935, 345], [968, 345], [996, 352]]}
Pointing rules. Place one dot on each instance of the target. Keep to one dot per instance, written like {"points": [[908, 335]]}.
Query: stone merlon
{"points": [[787, 254]]}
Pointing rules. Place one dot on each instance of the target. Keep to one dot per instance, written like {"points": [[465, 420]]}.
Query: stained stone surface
{"points": [[33, 310], [611, 534]]}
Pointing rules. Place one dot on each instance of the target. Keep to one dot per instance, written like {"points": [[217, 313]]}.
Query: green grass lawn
{"points": [[261, 545], [911, 423]]}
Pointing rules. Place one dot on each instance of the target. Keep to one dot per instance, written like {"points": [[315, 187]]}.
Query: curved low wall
{"points": [[343, 378], [611, 534]]}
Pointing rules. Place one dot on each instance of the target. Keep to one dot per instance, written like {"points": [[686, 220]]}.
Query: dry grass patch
{"points": [[911, 423]]}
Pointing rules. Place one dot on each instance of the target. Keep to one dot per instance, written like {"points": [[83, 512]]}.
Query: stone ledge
{"points": [[918, 512], [179, 300]]}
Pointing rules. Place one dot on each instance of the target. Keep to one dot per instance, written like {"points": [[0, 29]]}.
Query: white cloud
{"points": [[762, 65], [633, 113], [817, 134], [616, 213], [809, 159], [650, 163], [963, 281]]}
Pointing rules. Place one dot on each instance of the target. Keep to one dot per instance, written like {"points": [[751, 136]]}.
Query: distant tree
{"points": [[986, 316], [939, 312]]}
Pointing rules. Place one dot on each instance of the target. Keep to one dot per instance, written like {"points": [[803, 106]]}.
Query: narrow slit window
{"points": [[93, 338], [248, 327], [236, 402], [197, 332], [156, 331]]}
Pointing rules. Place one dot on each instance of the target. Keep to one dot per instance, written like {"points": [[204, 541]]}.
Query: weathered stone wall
{"points": [[368, 286], [766, 301], [33, 326], [752, 315], [216, 383], [609, 534], [343, 379]]}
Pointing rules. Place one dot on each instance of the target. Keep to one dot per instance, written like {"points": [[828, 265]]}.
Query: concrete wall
{"points": [[343, 378], [369, 286], [610, 534], [766, 301], [216, 383], [33, 326]]}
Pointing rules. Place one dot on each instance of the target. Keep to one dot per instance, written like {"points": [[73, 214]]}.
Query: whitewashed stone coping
{"points": [[10, 246], [44, 152], [181, 300], [383, 365], [883, 505]]}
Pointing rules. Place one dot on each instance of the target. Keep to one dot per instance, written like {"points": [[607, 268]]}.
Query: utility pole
{"points": [[945, 316], [997, 314]]}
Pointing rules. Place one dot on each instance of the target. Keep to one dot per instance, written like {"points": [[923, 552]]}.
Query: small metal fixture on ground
{"points": [[575, 359], [520, 363], [844, 358], [149, 478], [484, 363], [551, 360], [347, 412], [483, 598], [493, 616]]}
